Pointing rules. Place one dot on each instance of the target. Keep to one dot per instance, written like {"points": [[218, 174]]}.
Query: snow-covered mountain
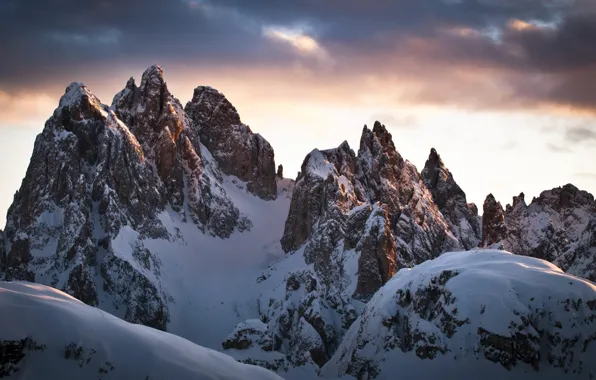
{"points": [[174, 217], [353, 222], [558, 226], [124, 208], [477, 314], [47, 334]]}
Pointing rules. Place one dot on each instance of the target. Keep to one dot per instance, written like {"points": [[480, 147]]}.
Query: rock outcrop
{"points": [[169, 143], [464, 312], [237, 150], [86, 183], [354, 220], [451, 200], [559, 226], [106, 183], [493, 222]]}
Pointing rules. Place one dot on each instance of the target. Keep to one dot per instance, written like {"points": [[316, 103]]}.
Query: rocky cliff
{"points": [[451, 200], [237, 150], [476, 314], [354, 220], [558, 226], [105, 183]]}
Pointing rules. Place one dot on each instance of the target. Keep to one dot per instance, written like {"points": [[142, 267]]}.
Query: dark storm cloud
{"points": [[43, 40], [547, 57]]}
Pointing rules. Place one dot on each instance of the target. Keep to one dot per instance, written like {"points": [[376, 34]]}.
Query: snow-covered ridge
{"points": [[46, 334], [478, 314]]}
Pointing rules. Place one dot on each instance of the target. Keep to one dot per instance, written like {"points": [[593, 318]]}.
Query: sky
{"points": [[505, 90]]}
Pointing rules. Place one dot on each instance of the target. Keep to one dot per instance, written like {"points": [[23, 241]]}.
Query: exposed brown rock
{"points": [[451, 200], [493, 222], [237, 150], [558, 226], [280, 171]]}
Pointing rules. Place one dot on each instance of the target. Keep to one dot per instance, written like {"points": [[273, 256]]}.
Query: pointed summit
{"points": [[381, 135], [451, 200], [172, 147], [79, 103], [237, 150], [493, 222]]}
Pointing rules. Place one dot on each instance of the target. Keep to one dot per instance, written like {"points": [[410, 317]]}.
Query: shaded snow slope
{"points": [[47, 334], [478, 314]]}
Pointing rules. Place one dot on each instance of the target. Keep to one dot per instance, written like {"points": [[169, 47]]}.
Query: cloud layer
{"points": [[487, 54]]}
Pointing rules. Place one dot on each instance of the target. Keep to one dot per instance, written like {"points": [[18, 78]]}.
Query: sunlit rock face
{"points": [[462, 216], [354, 220], [87, 182], [236, 149], [108, 187], [172, 146], [559, 226]]}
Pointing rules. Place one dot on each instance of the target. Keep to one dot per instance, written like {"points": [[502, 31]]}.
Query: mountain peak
{"points": [[451, 200], [493, 222], [237, 150], [75, 94]]}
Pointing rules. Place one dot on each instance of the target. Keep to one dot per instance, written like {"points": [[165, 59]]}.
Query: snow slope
{"points": [[478, 314], [47, 334], [212, 281]]}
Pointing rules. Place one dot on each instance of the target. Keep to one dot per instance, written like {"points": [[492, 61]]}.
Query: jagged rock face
{"points": [[355, 220], [157, 119], [237, 150], [322, 191], [559, 226], [86, 182], [493, 222], [451, 201], [449, 316], [422, 232], [253, 336]]}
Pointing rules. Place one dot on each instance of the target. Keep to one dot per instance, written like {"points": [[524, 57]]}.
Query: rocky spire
{"points": [[493, 222], [451, 200], [280, 171], [371, 212], [159, 122], [87, 178], [237, 150], [389, 179], [558, 226], [156, 118]]}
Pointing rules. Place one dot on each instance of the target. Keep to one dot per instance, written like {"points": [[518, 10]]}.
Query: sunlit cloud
{"points": [[522, 26], [20, 110], [298, 40]]}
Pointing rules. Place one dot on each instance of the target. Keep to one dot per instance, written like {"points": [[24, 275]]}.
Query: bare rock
{"points": [[558, 226], [493, 222], [237, 150], [451, 201]]}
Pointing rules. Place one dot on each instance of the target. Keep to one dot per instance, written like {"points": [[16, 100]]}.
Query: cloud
{"points": [[299, 40], [557, 148], [20, 110], [103, 37], [474, 54], [580, 134]]}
